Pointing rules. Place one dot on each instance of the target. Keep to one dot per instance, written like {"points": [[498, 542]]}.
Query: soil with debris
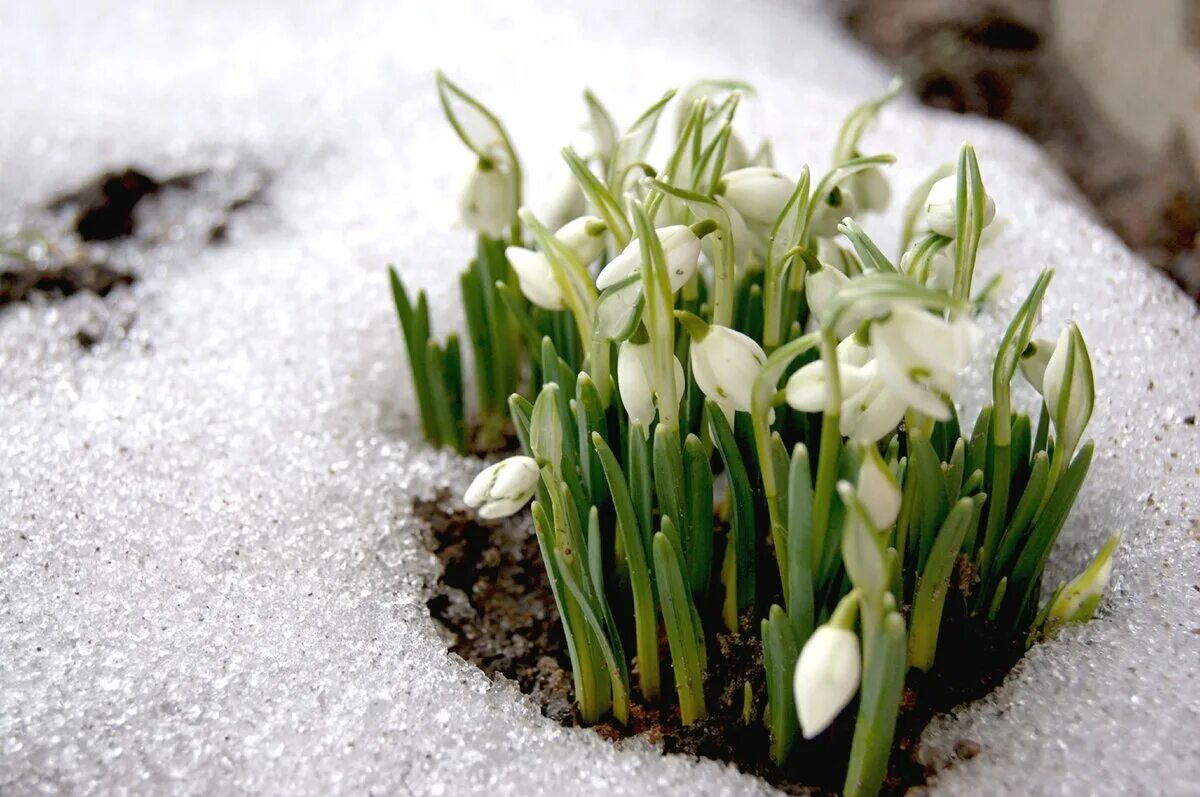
{"points": [[493, 599], [103, 210], [997, 59]]}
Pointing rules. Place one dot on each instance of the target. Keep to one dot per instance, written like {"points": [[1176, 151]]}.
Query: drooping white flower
{"points": [[873, 412], [502, 489], [877, 490], [681, 249], [725, 363], [584, 236], [918, 355], [757, 192], [806, 389], [1069, 392], [535, 277], [941, 205], [871, 189], [826, 678], [1034, 360], [635, 382], [821, 287], [831, 209], [488, 200]]}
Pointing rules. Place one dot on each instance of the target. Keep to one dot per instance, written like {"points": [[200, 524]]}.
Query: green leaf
{"points": [[416, 339], [620, 309], [930, 598], [678, 617], [875, 728], [780, 651], [801, 559], [644, 617], [1027, 572], [545, 428], [699, 511], [742, 529]]}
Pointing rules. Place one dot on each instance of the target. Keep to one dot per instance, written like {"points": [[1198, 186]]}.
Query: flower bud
{"points": [[831, 209], [502, 489], [488, 201], [878, 491], [941, 207], [826, 677], [1034, 360], [585, 237], [725, 363], [821, 287], [635, 382], [759, 193], [535, 277], [681, 249], [1077, 601], [1068, 388]]}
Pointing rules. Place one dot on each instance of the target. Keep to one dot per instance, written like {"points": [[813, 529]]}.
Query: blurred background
{"points": [[1111, 89]]}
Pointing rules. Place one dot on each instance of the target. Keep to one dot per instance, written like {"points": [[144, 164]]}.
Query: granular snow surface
{"points": [[210, 578]]}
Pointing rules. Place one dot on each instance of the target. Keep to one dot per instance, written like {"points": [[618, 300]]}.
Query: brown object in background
{"points": [[997, 59]]}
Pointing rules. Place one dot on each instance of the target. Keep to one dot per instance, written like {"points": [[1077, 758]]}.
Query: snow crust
{"points": [[210, 578]]}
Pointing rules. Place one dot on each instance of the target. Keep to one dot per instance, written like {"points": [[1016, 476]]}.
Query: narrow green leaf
{"points": [[742, 526], [678, 613], [930, 598], [780, 651], [699, 510], [644, 617]]}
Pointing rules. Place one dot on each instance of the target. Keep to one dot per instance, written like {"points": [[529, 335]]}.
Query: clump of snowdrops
{"points": [[710, 365]]}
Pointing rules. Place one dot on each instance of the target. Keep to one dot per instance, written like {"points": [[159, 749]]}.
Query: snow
{"points": [[210, 578]]}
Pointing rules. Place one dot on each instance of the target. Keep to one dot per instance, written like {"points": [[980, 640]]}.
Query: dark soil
{"points": [[59, 280], [997, 58], [494, 600], [103, 210]]}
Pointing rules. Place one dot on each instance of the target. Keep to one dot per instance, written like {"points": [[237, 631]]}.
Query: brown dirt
{"points": [[58, 280], [493, 599], [997, 58], [103, 210]]}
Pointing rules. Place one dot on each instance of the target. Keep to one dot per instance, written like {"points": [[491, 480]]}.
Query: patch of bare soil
{"points": [[493, 599]]}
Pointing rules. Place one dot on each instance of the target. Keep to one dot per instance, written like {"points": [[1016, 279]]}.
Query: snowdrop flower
{"points": [[941, 212], [488, 201], [873, 411], [681, 248], [871, 189], [585, 237], [918, 356], [826, 677], [635, 382], [725, 363], [833, 207], [806, 389], [757, 192], [1034, 360], [877, 490], [502, 489], [1069, 391], [821, 287]]}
